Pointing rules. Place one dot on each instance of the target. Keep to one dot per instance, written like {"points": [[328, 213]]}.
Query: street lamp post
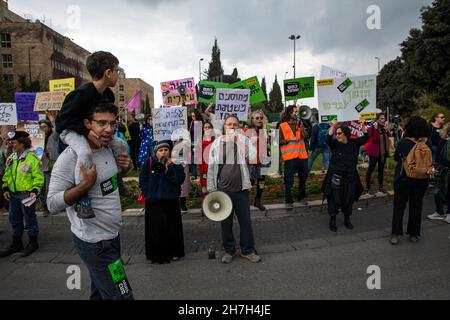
{"points": [[200, 69], [29, 61], [294, 37], [377, 58]]}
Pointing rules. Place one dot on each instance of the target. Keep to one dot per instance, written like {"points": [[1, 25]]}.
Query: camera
{"points": [[160, 166], [396, 119]]}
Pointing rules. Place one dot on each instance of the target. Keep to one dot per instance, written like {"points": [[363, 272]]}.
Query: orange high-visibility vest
{"points": [[293, 150]]}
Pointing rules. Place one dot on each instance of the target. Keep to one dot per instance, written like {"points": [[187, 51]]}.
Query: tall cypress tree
{"points": [[215, 66], [275, 97]]}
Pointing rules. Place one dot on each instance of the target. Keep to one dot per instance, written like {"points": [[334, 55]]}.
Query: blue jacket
{"points": [[160, 187]]}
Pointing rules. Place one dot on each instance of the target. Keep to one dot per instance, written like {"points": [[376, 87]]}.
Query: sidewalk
{"points": [[316, 206], [302, 259]]}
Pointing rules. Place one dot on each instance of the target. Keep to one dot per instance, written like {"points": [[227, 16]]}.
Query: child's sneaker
{"points": [[84, 208]]}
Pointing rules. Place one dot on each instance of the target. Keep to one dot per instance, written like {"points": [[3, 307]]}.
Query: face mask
{"points": [[297, 117]]}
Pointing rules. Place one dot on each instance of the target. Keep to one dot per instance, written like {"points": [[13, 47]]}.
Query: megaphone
{"points": [[140, 117], [305, 112], [217, 206]]}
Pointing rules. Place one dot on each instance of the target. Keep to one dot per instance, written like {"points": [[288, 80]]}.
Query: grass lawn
{"points": [[274, 190]]}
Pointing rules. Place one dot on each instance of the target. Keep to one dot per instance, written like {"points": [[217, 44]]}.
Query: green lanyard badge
{"points": [[119, 277]]}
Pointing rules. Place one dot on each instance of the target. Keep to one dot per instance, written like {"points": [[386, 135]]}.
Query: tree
{"points": [[423, 68], [215, 66], [394, 90], [235, 74], [34, 86], [275, 97], [7, 90]]}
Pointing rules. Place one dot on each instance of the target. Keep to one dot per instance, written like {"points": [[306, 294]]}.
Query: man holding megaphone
{"points": [[228, 172]]}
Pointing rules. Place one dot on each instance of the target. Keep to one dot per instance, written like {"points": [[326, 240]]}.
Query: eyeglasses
{"points": [[258, 118], [104, 123]]}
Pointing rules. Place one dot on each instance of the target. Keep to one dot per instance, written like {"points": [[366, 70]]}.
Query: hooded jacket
{"points": [[23, 174]]}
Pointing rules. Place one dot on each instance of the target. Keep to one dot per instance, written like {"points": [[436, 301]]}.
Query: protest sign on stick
{"points": [[49, 101], [66, 85], [252, 84], [207, 91], [8, 114], [37, 136], [331, 73], [299, 88], [232, 102], [25, 106], [167, 120], [172, 96], [347, 99]]}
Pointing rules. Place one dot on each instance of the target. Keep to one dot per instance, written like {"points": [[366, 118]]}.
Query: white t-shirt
{"points": [[104, 196]]}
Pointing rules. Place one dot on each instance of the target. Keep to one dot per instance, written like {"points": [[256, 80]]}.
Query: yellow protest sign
{"points": [[368, 116], [67, 85], [327, 82]]}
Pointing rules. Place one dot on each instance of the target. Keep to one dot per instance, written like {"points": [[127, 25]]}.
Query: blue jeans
{"points": [[97, 256], [434, 150], [17, 212], [440, 200], [325, 157], [291, 167], [241, 207]]}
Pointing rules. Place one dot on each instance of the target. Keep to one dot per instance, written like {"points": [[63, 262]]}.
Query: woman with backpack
{"points": [[441, 193], [414, 167]]}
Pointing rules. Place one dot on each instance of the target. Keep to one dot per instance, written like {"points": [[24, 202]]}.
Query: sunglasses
{"points": [[339, 133], [258, 118]]}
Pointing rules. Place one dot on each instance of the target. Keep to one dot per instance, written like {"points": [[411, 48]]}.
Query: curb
{"points": [[272, 211]]}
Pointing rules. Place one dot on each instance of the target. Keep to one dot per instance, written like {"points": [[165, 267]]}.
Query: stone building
{"points": [[126, 88], [38, 52]]}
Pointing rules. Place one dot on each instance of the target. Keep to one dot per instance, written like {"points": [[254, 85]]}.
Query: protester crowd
{"points": [[87, 155]]}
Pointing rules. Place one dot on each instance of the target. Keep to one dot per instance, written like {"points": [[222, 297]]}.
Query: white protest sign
{"points": [[330, 73], [8, 114], [347, 99], [234, 102], [167, 120], [37, 136]]}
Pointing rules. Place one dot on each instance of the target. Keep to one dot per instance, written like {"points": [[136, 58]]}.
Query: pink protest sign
{"points": [[179, 92]]}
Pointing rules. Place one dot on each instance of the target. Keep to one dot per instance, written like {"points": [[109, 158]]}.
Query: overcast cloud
{"points": [[164, 40]]}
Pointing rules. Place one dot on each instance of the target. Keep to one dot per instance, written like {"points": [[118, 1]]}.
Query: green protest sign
{"points": [[207, 91], [300, 88], [257, 94]]}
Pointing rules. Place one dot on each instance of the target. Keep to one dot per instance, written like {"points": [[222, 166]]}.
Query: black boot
{"points": [[259, 205], [183, 207], [333, 223], [16, 246], [31, 247], [348, 224]]}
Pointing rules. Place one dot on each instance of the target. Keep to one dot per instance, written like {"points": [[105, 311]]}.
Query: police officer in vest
{"points": [[293, 135]]}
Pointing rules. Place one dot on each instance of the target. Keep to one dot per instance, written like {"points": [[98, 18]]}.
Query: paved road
{"points": [[301, 260]]}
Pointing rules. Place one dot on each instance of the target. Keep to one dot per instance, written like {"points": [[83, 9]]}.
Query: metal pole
{"points": [[29, 63], [294, 57]]}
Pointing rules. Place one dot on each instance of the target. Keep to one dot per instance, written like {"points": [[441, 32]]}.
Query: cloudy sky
{"points": [[160, 40]]}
